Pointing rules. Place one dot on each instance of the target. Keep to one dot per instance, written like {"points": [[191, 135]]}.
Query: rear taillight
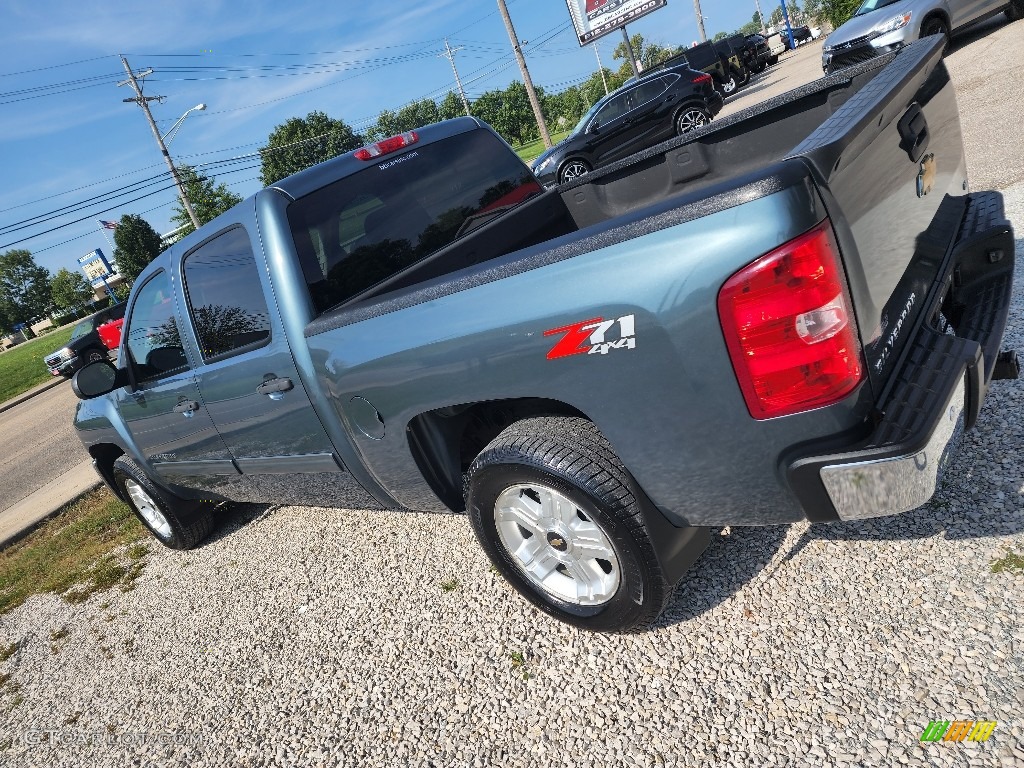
{"points": [[395, 143], [789, 327], [702, 78]]}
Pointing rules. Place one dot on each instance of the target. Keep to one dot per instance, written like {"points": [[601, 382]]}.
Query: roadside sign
{"points": [[596, 18]]}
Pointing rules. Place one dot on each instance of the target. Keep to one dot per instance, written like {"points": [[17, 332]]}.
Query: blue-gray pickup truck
{"points": [[792, 314]]}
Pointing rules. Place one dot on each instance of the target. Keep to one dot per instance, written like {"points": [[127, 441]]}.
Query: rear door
{"points": [[165, 413], [248, 378]]}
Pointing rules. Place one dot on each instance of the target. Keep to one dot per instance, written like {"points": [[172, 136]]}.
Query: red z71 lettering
{"points": [[589, 337], [573, 341]]}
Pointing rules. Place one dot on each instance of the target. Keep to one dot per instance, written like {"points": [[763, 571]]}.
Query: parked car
{"points": [[881, 26], [87, 341], [776, 46], [786, 318], [732, 58], [760, 55], [801, 34], [663, 103], [704, 57]]}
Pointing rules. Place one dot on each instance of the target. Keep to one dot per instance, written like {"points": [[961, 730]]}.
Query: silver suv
{"points": [[880, 26]]}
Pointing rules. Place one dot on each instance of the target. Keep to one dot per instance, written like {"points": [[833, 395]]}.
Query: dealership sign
{"points": [[596, 18], [96, 267]]}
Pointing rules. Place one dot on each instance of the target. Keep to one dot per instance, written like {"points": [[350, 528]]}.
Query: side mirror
{"points": [[97, 379]]}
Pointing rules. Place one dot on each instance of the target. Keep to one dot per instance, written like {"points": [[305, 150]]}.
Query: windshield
{"points": [[84, 328], [873, 5], [586, 118]]}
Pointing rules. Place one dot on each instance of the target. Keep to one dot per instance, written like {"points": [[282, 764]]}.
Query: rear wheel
{"points": [[741, 76], [573, 169], [691, 118], [177, 523], [729, 85], [558, 515]]}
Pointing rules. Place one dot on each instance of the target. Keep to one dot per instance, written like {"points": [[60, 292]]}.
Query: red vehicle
{"points": [[110, 333]]}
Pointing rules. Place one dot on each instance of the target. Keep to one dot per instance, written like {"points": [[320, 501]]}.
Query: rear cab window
{"points": [[363, 229], [224, 296]]}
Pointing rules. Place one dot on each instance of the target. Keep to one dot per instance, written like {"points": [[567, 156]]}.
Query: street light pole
{"points": [[173, 130], [530, 92], [143, 101]]}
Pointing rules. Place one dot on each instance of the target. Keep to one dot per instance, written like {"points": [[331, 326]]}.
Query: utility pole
{"points": [[629, 52], [600, 68], [143, 101], [760, 15], [700, 21], [526, 75], [450, 55]]}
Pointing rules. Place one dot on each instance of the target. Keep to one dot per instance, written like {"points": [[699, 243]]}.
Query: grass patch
{"points": [[531, 151], [1011, 561], [449, 585], [7, 651], [21, 367], [72, 554]]}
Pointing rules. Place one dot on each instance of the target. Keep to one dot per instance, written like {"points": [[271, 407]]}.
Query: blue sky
{"points": [[67, 136]]}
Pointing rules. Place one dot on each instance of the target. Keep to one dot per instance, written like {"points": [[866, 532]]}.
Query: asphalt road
{"points": [[37, 443]]}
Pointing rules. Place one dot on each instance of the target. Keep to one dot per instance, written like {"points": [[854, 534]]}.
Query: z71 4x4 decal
{"points": [[596, 336]]}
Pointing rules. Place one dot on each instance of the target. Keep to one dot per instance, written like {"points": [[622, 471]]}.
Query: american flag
{"points": [[108, 224]]}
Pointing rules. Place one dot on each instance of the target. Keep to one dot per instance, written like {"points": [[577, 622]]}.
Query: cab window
{"points": [[225, 297], [153, 342]]}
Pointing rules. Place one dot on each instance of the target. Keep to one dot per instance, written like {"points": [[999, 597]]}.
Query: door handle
{"points": [[274, 388], [913, 129], [186, 407]]}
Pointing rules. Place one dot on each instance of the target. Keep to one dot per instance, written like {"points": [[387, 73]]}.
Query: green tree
{"points": [[812, 9], [719, 36], [451, 106], [509, 112], [69, 290], [209, 200], [302, 142], [408, 118], [776, 17], [837, 12], [136, 244], [24, 288]]}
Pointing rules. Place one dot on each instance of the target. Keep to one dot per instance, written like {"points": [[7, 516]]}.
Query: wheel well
{"points": [[444, 442], [105, 455], [938, 15]]}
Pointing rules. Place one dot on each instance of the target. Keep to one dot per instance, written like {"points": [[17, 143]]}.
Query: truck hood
{"points": [[866, 26]]}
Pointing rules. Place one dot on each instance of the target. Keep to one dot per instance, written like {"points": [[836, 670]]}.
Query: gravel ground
{"points": [[302, 636]]}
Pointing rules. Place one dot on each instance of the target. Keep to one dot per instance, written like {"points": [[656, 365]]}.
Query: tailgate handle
{"points": [[913, 128]]}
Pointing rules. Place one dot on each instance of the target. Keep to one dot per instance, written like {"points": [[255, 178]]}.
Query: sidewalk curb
{"points": [[44, 503], [19, 399]]}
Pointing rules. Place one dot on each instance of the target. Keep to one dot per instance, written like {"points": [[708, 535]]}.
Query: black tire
{"points": [[568, 460], [92, 354], [1015, 11], [572, 169], [690, 118], [934, 25], [187, 522], [742, 77]]}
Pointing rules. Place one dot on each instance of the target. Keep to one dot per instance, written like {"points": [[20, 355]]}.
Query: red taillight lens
{"points": [[393, 144], [704, 78], [789, 327]]}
